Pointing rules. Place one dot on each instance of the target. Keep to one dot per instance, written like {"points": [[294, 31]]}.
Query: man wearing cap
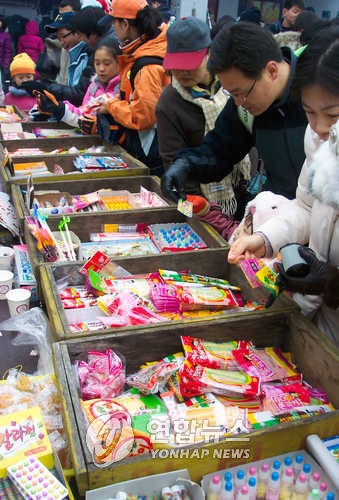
{"points": [[188, 108], [257, 75], [80, 68]]}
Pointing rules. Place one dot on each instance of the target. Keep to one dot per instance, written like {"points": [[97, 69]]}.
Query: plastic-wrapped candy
{"points": [[102, 376]]}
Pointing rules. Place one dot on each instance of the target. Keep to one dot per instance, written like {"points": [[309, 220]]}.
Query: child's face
{"points": [[106, 66], [24, 77], [322, 109]]}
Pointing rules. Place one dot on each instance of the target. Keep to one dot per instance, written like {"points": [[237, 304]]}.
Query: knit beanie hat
{"points": [[22, 64], [200, 205]]}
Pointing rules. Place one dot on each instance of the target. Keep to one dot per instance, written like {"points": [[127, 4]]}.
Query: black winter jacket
{"points": [[278, 134]]}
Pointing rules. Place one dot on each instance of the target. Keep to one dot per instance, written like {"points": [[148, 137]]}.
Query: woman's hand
{"points": [[246, 247]]}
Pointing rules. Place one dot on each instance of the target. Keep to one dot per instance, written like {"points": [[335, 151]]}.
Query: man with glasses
{"points": [[80, 68], [258, 75]]}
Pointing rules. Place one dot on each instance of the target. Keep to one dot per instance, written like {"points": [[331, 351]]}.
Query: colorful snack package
{"points": [[79, 303], [196, 380], [212, 354], [102, 376], [74, 292], [153, 377], [268, 364], [281, 397], [262, 419], [267, 276], [250, 403], [185, 279]]}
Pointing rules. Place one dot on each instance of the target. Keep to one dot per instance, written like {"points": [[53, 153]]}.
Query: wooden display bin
{"points": [[83, 225], [316, 358], [129, 183], [135, 167], [212, 262]]}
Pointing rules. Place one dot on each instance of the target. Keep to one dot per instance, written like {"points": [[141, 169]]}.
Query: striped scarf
{"points": [[212, 102]]}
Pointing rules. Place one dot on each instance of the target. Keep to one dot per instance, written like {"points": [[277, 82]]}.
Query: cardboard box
{"points": [[22, 434]]}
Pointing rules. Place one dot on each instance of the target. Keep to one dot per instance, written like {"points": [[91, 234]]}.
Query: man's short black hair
{"points": [[294, 3], [75, 4], [244, 46], [86, 21]]}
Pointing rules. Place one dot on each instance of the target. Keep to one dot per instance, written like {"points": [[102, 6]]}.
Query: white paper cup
{"points": [[18, 300], [6, 280], [6, 258]]}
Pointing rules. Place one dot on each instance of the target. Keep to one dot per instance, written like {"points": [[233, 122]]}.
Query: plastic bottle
{"points": [[286, 486], [227, 492], [314, 481], [228, 477], [214, 487], [252, 472], [287, 464], [323, 490], [273, 487], [298, 465], [239, 481], [300, 488], [166, 493], [243, 493], [262, 481], [276, 466], [313, 494], [252, 488], [307, 471], [330, 496]]}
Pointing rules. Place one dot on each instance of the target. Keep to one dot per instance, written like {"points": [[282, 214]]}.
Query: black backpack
{"points": [[138, 65]]}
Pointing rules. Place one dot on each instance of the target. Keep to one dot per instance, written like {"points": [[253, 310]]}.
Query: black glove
{"points": [[88, 124], [176, 177], [313, 283], [47, 104], [32, 85]]}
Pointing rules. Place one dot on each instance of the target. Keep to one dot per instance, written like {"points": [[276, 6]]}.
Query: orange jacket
{"points": [[137, 111]]}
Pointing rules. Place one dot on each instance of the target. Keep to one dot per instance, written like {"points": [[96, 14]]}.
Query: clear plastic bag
{"points": [[33, 328]]}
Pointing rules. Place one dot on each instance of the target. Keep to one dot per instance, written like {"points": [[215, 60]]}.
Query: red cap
{"points": [[184, 60]]}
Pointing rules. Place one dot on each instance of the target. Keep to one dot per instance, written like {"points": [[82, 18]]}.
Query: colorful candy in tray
{"points": [[175, 237], [86, 163], [8, 115]]}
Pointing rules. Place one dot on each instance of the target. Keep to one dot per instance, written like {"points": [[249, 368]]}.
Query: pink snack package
{"points": [[283, 397], [268, 364], [103, 376]]}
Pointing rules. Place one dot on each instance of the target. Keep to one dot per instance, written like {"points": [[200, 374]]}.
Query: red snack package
{"points": [[212, 354]]}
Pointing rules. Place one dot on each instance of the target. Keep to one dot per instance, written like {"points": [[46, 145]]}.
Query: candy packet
{"points": [[283, 397], [196, 380], [74, 292], [212, 354], [268, 364], [267, 276], [102, 376], [185, 279], [153, 377]]}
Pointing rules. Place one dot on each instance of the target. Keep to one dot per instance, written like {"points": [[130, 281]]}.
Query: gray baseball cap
{"points": [[187, 42]]}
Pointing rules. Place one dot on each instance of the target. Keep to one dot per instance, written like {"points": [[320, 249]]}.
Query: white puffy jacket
{"points": [[313, 218]]}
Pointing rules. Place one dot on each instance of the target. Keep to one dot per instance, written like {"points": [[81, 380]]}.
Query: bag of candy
{"points": [[268, 364], [284, 397], [197, 380], [103, 376], [212, 354]]}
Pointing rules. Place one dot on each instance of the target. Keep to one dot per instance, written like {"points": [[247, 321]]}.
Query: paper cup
{"points": [[6, 258], [6, 280], [18, 300]]}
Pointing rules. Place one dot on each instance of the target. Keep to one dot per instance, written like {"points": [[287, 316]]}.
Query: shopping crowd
{"points": [[241, 120]]}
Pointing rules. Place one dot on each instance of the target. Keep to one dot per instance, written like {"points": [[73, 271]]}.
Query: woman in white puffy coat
{"points": [[312, 218]]}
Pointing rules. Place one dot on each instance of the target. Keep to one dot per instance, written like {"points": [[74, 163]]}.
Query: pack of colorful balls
{"points": [[174, 237], [35, 482], [108, 300]]}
